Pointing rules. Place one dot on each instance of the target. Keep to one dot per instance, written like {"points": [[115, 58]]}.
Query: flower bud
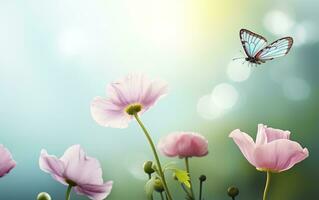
{"points": [[148, 167], [202, 178], [158, 185], [43, 196], [154, 166], [232, 191]]}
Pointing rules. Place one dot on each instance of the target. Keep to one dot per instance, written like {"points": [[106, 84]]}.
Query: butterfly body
{"points": [[257, 50], [254, 60]]}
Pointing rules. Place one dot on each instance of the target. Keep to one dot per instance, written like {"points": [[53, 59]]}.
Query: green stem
{"points": [[267, 185], [188, 171], [185, 190], [200, 190], [155, 155], [162, 197], [149, 178], [68, 192]]}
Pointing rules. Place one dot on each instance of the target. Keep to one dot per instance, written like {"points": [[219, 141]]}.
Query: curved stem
{"points": [[267, 185], [68, 192], [185, 190], [150, 141], [188, 172]]}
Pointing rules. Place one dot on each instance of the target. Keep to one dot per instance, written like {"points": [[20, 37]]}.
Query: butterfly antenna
{"points": [[238, 58]]}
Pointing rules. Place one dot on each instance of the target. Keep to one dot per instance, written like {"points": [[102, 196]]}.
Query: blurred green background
{"points": [[55, 56]]}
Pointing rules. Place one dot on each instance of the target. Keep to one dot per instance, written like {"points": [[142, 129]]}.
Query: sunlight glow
{"points": [[72, 42], [160, 22]]}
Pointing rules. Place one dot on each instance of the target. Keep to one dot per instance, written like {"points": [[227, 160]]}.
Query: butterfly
{"points": [[257, 50]]}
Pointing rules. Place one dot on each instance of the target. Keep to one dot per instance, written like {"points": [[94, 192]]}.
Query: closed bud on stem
{"points": [[232, 191], [202, 178], [154, 166], [148, 169], [43, 196], [158, 185]]}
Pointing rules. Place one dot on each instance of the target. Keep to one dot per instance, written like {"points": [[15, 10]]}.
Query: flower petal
{"points": [[191, 144], [80, 168], [245, 143], [131, 90], [6, 161], [52, 165], [200, 145], [167, 146], [128, 90], [183, 144], [154, 90], [107, 113], [266, 135], [95, 192], [279, 155], [136, 88]]}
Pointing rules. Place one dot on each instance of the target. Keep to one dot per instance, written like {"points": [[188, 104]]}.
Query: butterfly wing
{"points": [[276, 49], [252, 42]]}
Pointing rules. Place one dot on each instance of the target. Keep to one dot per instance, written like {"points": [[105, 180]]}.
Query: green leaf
{"points": [[183, 177], [149, 188]]}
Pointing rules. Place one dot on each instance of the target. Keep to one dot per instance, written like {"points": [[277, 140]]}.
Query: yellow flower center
{"points": [[132, 109]]}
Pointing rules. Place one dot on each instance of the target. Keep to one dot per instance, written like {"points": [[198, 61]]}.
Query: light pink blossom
{"points": [[133, 90], [75, 168], [183, 144], [272, 151], [6, 161]]}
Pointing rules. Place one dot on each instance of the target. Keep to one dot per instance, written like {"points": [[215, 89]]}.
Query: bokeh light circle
{"points": [[278, 22], [207, 109], [238, 72], [224, 96]]}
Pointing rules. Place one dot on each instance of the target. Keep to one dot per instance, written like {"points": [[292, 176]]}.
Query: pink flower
{"points": [[273, 150], [78, 170], [133, 94], [183, 144], [6, 161]]}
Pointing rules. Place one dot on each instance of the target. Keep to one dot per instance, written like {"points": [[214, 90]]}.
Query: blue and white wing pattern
{"points": [[252, 42], [276, 49]]}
